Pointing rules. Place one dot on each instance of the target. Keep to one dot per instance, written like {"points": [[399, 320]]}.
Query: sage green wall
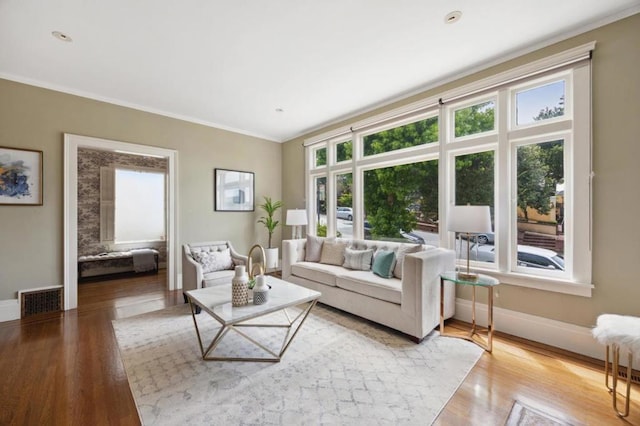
{"points": [[616, 197], [31, 249]]}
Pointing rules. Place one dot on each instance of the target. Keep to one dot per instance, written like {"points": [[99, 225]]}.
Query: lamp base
{"points": [[467, 276]]}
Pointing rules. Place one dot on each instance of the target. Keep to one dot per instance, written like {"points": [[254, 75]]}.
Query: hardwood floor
{"points": [[65, 369]]}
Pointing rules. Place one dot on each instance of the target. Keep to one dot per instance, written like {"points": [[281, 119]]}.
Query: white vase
{"points": [[271, 261], [260, 291], [240, 287]]}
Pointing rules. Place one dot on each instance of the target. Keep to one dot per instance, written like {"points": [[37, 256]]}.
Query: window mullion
{"points": [[504, 206]]}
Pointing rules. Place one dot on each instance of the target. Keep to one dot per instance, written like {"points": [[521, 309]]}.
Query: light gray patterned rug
{"points": [[338, 370]]}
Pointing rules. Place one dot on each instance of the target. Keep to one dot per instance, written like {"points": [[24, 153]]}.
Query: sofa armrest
{"points": [[191, 272], [292, 253], [421, 286]]}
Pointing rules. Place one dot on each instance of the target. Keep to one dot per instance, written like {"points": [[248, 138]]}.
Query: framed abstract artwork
{"points": [[234, 191], [20, 177]]}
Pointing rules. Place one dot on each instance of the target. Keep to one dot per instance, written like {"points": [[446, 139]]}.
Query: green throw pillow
{"points": [[384, 263]]}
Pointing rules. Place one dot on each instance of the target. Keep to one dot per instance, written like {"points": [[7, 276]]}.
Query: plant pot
{"points": [[271, 260]]}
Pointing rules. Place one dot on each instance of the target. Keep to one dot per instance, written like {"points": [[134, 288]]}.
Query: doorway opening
{"points": [[71, 145]]}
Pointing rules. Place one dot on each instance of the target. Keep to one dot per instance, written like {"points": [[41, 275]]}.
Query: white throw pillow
{"points": [[358, 259], [313, 248], [213, 261], [333, 253], [400, 253]]}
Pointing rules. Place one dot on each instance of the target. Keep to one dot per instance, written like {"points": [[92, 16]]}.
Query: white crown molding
{"points": [[118, 102]]}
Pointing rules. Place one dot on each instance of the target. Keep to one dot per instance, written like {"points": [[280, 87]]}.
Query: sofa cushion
{"points": [[318, 272], [313, 248], [369, 284], [212, 279], [383, 263], [333, 252], [357, 259], [212, 261], [400, 253]]}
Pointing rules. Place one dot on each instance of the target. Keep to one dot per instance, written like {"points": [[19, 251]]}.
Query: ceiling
{"points": [[273, 69]]}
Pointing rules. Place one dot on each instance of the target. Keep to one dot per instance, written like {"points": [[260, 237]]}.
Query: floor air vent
{"points": [[41, 301], [635, 375]]}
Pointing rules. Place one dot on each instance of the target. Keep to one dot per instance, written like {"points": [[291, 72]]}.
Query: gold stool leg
{"points": [[614, 373], [607, 368]]}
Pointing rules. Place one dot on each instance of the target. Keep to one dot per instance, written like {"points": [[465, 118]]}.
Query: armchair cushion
{"points": [[213, 261]]}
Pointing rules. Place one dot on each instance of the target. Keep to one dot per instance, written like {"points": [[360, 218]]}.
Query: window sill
{"points": [[540, 283]]}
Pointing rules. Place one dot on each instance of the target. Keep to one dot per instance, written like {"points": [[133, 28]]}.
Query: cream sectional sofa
{"points": [[408, 302]]}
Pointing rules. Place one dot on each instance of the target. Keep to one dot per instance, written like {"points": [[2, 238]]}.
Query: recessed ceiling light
{"points": [[61, 36], [452, 17]]}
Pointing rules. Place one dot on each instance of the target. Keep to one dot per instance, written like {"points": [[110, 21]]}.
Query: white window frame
{"points": [[574, 127]]}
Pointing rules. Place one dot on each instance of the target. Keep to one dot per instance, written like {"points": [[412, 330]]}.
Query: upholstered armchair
{"points": [[209, 264]]}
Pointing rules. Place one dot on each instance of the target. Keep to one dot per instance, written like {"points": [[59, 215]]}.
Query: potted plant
{"points": [[270, 207]]}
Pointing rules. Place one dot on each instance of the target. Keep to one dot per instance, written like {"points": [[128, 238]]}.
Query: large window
{"points": [[344, 201], [540, 205], [520, 145], [540, 103], [475, 185], [132, 205], [139, 206], [473, 119], [413, 134], [401, 202]]}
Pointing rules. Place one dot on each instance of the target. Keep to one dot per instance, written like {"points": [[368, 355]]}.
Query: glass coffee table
{"points": [[486, 342], [216, 302]]}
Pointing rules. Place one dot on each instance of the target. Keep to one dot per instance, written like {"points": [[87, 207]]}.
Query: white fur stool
{"points": [[618, 332]]}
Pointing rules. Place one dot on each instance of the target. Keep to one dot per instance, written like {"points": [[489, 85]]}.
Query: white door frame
{"points": [[71, 145]]}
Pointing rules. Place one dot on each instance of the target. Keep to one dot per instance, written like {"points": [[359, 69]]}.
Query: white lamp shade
{"points": [[296, 217], [469, 219]]}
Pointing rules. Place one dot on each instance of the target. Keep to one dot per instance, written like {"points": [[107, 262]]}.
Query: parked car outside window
{"points": [[344, 213], [484, 238], [529, 256]]}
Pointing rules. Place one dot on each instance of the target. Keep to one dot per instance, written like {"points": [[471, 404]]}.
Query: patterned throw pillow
{"points": [[357, 259], [384, 263], [400, 253], [213, 261], [313, 248], [333, 253]]}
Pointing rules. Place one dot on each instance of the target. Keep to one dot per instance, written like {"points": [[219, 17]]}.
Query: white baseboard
{"points": [[560, 334], [9, 310]]}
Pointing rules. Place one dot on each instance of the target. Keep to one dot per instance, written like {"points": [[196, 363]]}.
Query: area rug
{"points": [[340, 369], [524, 415]]}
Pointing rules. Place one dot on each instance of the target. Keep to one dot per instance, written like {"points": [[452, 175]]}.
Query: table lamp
{"points": [[469, 220], [296, 218]]}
